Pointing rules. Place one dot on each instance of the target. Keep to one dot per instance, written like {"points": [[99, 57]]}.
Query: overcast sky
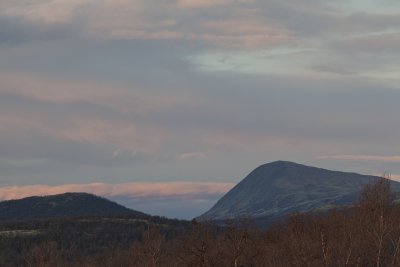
{"points": [[176, 93]]}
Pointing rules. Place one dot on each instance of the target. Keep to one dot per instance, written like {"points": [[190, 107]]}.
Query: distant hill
{"points": [[63, 205], [84, 227], [279, 188]]}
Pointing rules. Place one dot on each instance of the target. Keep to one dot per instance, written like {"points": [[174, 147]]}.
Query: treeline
{"points": [[366, 234], [73, 238]]}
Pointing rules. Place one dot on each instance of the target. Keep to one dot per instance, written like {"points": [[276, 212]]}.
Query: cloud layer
{"points": [[166, 190], [364, 158]]}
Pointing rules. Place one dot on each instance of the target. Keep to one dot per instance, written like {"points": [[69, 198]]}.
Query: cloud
{"points": [[84, 112], [333, 70], [238, 26], [252, 31], [121, 19], [137, 190], [364, 158], [15, 31], [192, 155], [209, 3], [376, 43], [67, 129], [230, 23], [60, 91], [45, 11], [95, 123]]}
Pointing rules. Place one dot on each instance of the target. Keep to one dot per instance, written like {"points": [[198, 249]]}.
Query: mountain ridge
{"points": [[278, 188], [71, 204]]}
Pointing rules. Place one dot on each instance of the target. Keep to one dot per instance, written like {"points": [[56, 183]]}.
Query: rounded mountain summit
{"points": [[276, 189]]}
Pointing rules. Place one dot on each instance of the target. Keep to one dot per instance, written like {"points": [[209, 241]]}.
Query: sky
{"points": [[164, 105]]}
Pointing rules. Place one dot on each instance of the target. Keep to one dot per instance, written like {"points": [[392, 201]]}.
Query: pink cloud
{"points": [[373, 43], [66, 91], [364, 158], [50, 12], [145, 137], [249, 31], [135, 19], [249, 25], [208, 3], [192, 155], [184, 190]]}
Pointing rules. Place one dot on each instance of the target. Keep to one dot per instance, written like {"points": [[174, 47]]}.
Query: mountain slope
{"points": [[63, 205], [282, 187]]}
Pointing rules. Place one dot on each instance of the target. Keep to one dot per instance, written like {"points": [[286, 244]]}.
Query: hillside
{"points": [[279, 188], [63, 205], [82, 225]]}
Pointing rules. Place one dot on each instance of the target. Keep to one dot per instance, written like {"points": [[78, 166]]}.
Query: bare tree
{"points": [[199, 246], [375, 205], [150, 250]]}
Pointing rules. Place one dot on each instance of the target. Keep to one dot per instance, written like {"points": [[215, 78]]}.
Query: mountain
{"points": [[275, 189], [63, 205]]}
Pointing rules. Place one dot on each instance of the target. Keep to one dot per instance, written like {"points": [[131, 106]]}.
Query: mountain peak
{"points": [[286, 164], [281, 164]]}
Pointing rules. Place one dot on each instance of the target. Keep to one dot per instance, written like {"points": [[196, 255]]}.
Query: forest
{"points": [[364, 234]]}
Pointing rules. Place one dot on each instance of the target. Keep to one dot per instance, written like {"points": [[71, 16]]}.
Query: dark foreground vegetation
{"points": [[367, 234]]}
